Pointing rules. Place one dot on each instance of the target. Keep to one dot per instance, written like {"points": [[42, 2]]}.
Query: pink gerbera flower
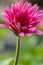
{"points": [[22, 19]]}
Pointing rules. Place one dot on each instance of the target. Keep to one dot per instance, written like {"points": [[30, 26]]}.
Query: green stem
{"points": [[17, 51]]}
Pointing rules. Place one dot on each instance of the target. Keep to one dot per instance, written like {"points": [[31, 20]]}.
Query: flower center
{"points": [[22, 19]]}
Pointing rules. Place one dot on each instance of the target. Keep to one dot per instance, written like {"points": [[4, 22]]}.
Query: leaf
{"points": [[6, 62], [11, 63]]}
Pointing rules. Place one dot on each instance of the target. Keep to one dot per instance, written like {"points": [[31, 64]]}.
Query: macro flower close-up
{"points": [[22, 18], [21, 32]]}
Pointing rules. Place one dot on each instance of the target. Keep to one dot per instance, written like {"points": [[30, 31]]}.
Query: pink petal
{"points": [[38, 32], [6, 19], [33, 9], [3, 26], [40, 15], [27, 7], [40, 12], [31, 29], [21, 34], [40, 25], [14, 9], [29, 34], [35, 23], [9, 12], [25, 4], [21, 4], [16, 4]]}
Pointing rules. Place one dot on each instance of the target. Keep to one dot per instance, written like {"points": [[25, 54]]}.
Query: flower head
{"points": [[22, 19]]}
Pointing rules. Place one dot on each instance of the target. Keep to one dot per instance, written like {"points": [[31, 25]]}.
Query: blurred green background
{"points": [[31, 48]]}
